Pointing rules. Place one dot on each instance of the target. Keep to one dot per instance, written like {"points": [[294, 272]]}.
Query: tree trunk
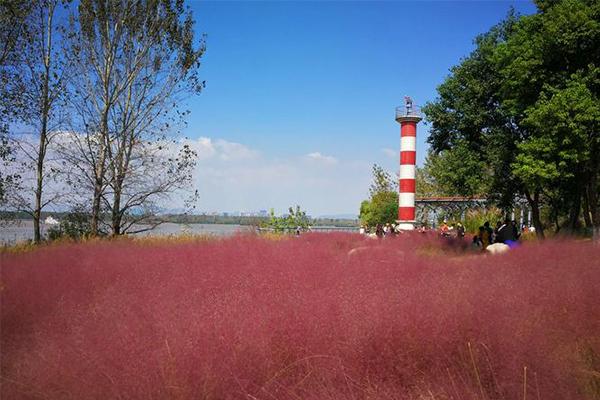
{"points": [[37, 238], [586, 211], [98, 184], [594, 207], [574, 212], [96, 207], [37, 210], [534, 203], [45, 111], [100, 171], [116, 211]]}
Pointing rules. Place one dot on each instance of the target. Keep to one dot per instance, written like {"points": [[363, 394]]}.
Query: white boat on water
{"points": [[50, 221]]}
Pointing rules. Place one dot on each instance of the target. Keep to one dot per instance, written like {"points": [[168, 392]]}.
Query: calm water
{"points": [[23, 230]]}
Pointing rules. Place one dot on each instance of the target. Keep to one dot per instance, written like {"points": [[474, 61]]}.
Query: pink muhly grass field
{"points": [[300, 318]]}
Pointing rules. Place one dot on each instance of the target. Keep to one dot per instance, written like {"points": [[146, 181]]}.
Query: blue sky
{"points": [[300, 96]]}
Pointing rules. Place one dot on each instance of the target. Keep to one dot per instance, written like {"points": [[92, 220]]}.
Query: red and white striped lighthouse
{"points": [[408, 117]]}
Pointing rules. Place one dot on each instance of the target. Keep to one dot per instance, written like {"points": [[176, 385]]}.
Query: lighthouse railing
{"points": [[408, 111]]}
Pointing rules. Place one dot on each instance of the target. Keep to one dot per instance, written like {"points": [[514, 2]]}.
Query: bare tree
{"points": [[144, 163], [135, 59], [153, 174], [12, 22], [43, 69], [96, 86]]}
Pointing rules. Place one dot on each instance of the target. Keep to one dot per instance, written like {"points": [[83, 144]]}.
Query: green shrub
{"points": [[477, 217], [75, 225]]}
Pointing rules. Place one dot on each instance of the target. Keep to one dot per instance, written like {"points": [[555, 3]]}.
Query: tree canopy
{"points": [[294, 220], [523, 107], [382, 206]]}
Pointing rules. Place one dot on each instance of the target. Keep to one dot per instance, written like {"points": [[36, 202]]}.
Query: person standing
{"points": [[484, 237], [460, 230], [505, 233], [496, 229], [490, 232], [476, 243], [516, 230], [444, 229], [387, 229]]}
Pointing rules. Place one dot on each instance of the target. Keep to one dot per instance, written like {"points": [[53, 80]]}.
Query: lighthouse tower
{"points": [[408, 117]]}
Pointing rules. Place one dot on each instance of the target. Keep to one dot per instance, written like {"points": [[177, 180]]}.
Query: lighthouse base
{"points": [[405, 225]]}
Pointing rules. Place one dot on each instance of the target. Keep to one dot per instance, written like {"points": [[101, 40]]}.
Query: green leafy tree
{"points": [[469, 126], [515, 100], [382, 207], [382, 181], [561, 155], [458, 171], [295, 219], [426, 186], [549, 69]]}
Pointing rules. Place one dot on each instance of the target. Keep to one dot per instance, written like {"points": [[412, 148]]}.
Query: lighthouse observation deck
{"points": [[408, 112]]}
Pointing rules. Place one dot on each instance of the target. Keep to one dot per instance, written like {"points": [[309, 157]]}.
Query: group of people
{"points": [[452, 230], [507, 233], [381, 230]]}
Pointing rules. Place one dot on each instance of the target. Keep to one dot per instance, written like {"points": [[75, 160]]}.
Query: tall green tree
{"points": [[382, 206], [469, 124], [550, 84], [457, 172], [561, 155], [523, 101]]}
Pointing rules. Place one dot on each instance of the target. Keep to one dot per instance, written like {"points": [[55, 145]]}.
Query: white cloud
{"points": [[320, 158], [391, 153], [224, 150], [237, 177], [234, 151], [203, 146]]}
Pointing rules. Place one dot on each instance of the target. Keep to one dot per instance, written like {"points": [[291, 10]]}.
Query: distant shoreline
{"points": [[21, 230], [198, 219]]}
